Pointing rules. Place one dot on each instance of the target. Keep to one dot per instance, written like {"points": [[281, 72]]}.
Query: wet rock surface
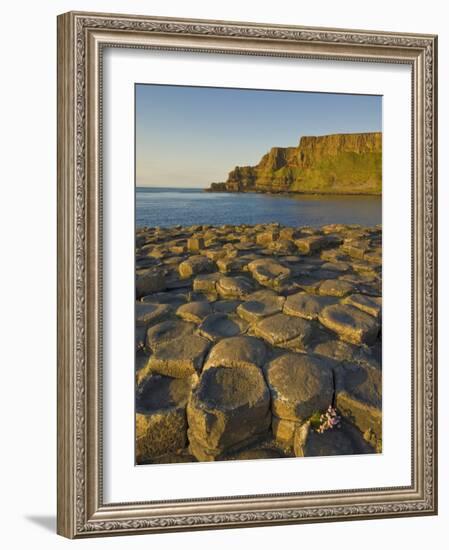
{"points": [[244, 334]]}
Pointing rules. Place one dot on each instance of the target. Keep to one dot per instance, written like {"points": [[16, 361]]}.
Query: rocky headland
{"points": [[247, 336], [332, 164]]}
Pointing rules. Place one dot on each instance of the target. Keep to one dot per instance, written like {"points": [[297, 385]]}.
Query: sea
{"points": [[165, 207]]}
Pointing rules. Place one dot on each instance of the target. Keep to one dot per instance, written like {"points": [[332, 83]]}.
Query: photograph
{"points": [[258, 274], [247, 271]]}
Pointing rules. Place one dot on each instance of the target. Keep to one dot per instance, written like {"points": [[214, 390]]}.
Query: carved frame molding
{"points": [[81, 39]]}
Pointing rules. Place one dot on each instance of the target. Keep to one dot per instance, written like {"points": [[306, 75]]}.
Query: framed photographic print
{"points": [[246, 274]]}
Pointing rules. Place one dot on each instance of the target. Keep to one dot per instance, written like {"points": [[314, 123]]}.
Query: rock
{"points": [[269, 272], [284, 431], [194, 311], [255, 453], [306, 305], [300, 386], [335, 228], [194, 244], [141, 366], [177, 249], [161, 423], [222, 325], [140, 335], [307, 230], [179, 457], [355, 248], [373, 288], [335, 287], [358, 397], [351, 324], [254, 314], [174, 299], [226, 306], [351, 353], [324, 274], [166, 332], [316, 243], [206, 283], [237, 351], [343, 440], [150, 313], [150, 280], [334, 255], [308, 283], [289, 233], [181, 357], [159, 392], [229, 264], [291, 259], [364, 268], [338, 350], [195, 265], [279, 329], [339, 267], [267, 237], [158, 252], [205, 454], [234, 287], [214, 254], [368, 304], [260, 304], [228, 407], [374, 257], [172, 262], [201, 296], [175, 283], [283, 246]]}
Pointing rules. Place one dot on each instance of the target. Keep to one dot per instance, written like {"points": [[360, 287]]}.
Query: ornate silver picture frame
{"points": [[82, 41]]}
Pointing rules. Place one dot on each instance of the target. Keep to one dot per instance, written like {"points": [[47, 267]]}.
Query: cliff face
{"points": [[338, 163]]}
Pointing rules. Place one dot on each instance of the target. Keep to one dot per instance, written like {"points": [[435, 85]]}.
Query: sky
{"points": [[191, 136]]}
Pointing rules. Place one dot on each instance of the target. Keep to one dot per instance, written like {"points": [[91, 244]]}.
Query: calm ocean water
{"points": [[165, 207]]}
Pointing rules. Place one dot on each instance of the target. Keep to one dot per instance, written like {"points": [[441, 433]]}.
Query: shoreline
{"points": [[294, 193], [238, 318]]}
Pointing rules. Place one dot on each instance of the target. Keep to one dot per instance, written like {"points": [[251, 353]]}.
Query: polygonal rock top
{"points": [[222, 325], [300, 385], [239, 351], [281, 328], [351, 324]]}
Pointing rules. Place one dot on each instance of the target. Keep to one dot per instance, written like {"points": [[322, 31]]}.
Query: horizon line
{"points": [[169, 186]]}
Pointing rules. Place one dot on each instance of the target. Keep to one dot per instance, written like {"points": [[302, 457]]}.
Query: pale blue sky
{"points": [[192, 136]]}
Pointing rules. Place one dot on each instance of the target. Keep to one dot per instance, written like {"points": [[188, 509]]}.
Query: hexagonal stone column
{"points": [[260, 304], [358, 396], [281, 329], [229, 407], [181, 357], [351, 324], [344, 440], [269, 272], [195, 265], [238, 351], [306, 305], [161, 423], [300, 386]]}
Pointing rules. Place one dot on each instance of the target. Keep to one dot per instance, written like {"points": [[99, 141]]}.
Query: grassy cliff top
{"points": [[336, 163]]}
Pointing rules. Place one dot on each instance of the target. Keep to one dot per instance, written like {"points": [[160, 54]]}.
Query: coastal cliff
{"points": [[332, 164]]}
